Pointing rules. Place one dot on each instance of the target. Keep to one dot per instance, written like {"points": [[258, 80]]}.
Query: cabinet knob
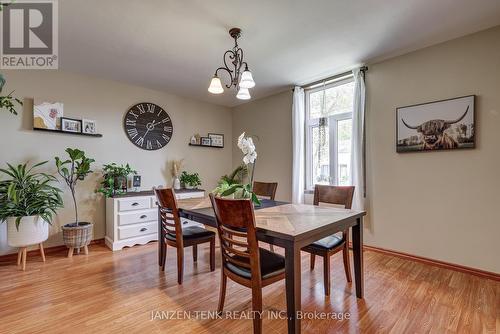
{"points": [[135, 204], [143, 229], [143, 216]]}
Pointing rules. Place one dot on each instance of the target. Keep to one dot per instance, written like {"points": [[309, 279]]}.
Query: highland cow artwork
{"points": [[441, 125]]}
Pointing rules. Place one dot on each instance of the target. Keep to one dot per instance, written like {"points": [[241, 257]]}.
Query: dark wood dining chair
{"points": [[267, 190], [243, 260], [174, 235], [328, 246]]}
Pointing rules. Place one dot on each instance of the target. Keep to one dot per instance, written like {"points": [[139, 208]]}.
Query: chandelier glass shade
{"points": [[233, 66], [243, 94], [246, 80], [216, 86]]}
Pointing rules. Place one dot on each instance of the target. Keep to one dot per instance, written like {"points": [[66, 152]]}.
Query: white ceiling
{"points": [[176, 45]]}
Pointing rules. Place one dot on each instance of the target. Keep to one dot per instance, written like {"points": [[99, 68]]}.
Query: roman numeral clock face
{"points": [[148, 126]]}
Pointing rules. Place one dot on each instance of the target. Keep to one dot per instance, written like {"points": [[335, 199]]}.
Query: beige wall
{"points": [[270, 121], [440, 205], [106, 102]]}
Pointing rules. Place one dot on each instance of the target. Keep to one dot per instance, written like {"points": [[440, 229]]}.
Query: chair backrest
{"points": [[333, 195], [265, 189], [168, 213], [237, 233]]}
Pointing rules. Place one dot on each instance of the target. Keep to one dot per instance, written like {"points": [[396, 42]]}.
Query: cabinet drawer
{"points": [[133, 204], [131, 231], [137, 217]]}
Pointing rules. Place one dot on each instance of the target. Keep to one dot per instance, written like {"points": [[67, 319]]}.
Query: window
{"points": [[329, 130]]}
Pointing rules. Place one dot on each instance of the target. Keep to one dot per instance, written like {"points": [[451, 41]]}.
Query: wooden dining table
{"points": [[292, 226]]}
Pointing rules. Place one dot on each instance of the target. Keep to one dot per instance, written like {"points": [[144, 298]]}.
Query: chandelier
{"points": [[242, 81]]}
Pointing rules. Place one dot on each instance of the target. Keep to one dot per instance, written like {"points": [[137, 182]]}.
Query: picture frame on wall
{"points": [[216, 139], [71, 125], [434, 126], [205, 141], [89, 126]]}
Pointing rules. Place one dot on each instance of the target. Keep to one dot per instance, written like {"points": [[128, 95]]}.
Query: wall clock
{"points": [[148, 126]]}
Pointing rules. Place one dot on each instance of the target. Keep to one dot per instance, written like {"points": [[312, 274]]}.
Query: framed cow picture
{"points": [[441, 125]]}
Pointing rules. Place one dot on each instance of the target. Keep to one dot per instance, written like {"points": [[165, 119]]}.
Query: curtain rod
{"points": [[334, 77]]}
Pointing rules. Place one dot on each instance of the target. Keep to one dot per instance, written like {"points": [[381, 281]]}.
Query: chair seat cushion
{"points": [[192, 232], [271, 264], [329, 242]]}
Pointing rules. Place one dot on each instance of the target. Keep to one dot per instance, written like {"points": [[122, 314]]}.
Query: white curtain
{"points": [[298, 138], [357, 155]]}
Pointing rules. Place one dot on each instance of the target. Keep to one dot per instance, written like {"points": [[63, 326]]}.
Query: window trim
{"points": [[309, 124]]}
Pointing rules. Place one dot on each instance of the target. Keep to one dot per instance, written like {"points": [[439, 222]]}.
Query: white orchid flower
{"points": [[240, 140], [250, 145], [250, 158], [246, 145]]}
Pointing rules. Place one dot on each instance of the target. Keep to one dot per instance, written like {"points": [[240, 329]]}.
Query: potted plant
{"points": [[190, 181], [233, 185], [28, 203], [115, 180], [7, 101], [76, 168], [237, 176]]}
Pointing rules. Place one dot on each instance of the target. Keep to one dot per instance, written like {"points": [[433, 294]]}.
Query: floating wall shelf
{"points": [[205, 145], [70, 133]]}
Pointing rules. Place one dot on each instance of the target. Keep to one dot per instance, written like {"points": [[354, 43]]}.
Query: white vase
{"points": [[176, 184], [32, 230]]}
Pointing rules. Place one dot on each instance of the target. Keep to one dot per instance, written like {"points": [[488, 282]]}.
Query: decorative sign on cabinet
{"points": [[132, 218]]}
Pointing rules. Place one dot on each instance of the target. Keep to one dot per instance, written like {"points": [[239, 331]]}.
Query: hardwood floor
{"points": [[107, 292]]}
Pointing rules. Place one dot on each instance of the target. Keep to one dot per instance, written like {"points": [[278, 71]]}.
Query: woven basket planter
{"points": [[77, 236]]}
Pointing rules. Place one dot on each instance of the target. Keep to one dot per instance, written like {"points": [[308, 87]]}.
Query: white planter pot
{"points": [[32, 230]]}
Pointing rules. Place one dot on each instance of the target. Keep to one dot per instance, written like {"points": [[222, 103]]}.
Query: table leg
{"points": [[357, 249], [292, 283], [160, 240]]}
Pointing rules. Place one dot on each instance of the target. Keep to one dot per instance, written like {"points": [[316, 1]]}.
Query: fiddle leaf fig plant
{"points": [[72, 170]]}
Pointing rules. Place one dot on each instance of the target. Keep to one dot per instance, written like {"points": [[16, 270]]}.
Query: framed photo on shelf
{"points": [[205, 141], [216, 139], [89, 126], [71, 125]]}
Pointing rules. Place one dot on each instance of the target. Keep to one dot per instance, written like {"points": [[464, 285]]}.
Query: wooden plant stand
{"points": [[71, 250], [22, 253]]}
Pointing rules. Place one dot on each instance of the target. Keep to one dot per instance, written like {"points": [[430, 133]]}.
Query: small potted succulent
{"points": [[190, 181], [77, 234], [28, 202], [115, 180]]}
